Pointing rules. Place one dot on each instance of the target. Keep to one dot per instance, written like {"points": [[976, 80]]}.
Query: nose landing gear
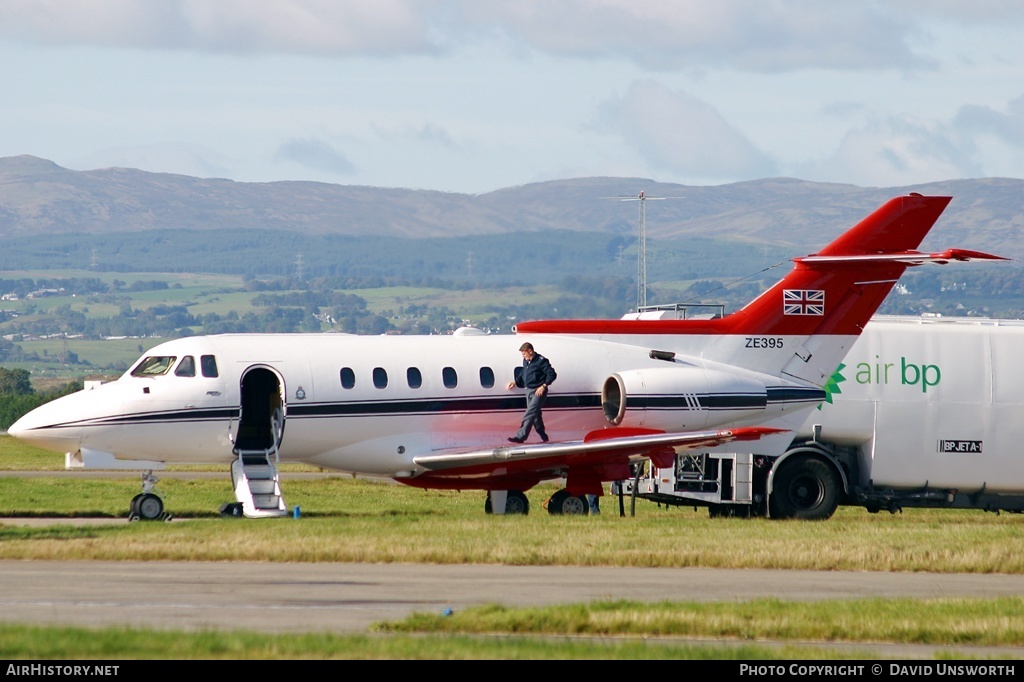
{"points": [[147, 506]]}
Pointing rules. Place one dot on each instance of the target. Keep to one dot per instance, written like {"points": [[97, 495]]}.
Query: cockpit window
{"points": [[187, 367], [209, 364], [154, 366]]}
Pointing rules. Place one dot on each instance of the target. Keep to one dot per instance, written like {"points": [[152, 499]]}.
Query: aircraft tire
{"points": [[150, 507], [133, 508], [515, 503], [804, 488], [564, 503]]}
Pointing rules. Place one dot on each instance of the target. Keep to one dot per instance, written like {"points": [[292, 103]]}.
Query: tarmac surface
{"points": [[349, 598], [345, 598]]}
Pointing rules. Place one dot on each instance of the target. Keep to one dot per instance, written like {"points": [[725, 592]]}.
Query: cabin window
{"points": [[187, 367], [486, 377], [348, 377], [414, 377], [208, 363], [380, 377], [154, 366], [450, 377]]}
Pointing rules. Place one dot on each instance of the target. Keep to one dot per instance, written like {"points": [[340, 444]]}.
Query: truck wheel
{"points": [[804, 488]]}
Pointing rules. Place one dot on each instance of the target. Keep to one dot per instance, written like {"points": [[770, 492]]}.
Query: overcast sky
{"points": [[471, 96]]}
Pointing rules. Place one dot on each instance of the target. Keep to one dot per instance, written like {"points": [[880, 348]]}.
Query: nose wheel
{"points": [[147, 506]]}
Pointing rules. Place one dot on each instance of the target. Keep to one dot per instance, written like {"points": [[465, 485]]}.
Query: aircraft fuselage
{"points": [[371, 404]]}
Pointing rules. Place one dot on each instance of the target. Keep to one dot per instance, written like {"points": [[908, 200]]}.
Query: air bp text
{"points": [[905, 372]]}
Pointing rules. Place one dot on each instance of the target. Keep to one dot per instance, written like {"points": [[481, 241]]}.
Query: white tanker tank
{"points": [[924, 412]]}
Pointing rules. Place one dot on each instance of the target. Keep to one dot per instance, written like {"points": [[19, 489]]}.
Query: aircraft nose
{"points": [[17, 429], [44, 427]]}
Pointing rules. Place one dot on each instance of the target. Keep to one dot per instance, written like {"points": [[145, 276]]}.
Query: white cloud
{"points": [[677, 133], [898, 150], [753, 36], [1007, 127], [995, 12], [316, 155], [685, 34], [434, 134], [322, 27], [902, 149], [470, 96]]}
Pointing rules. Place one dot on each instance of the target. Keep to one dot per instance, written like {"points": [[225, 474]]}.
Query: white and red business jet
{"points": [[434, 411]]}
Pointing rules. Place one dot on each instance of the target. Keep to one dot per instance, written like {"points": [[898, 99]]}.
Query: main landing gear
{"points": [[559, 503], [564, 503], [515, 503], [147, 506]]}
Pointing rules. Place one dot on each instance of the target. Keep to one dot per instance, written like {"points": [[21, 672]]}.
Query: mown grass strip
{"points": [[995, 622], [111, 644]]}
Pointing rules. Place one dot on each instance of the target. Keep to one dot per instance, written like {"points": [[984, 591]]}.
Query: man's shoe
{"points": [[544, 437], [514, 439]]}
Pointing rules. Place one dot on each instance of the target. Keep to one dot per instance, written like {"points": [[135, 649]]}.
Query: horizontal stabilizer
{"points": [[907, 257]]}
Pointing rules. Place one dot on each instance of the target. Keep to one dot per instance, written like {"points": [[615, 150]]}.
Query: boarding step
{"points": [[257, 486], [260, 472]]}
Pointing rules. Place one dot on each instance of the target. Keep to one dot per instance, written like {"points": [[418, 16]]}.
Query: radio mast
{"points": [[641, 249]]}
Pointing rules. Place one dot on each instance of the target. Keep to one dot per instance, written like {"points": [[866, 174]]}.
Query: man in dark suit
{"points": [[536, 376]]}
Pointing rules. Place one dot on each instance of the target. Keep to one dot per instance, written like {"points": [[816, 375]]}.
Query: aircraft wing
{"points": [[597, 447]]}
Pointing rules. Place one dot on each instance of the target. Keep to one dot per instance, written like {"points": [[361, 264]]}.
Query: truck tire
{"points": [[804, 488]]}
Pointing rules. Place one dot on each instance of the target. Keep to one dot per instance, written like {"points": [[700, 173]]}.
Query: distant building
{"points": [[41, 293]]}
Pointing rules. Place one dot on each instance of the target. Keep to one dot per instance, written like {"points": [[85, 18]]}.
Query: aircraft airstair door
{"points": [[257, 440]]}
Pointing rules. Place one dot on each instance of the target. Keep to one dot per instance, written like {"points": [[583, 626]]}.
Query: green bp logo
{"points": [[832, 385]]}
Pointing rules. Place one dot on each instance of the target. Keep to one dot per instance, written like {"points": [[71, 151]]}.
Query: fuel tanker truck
{"points": [[923, 412]]}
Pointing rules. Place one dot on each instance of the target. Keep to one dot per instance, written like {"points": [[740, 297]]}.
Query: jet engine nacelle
{"points": [[676, 398]]}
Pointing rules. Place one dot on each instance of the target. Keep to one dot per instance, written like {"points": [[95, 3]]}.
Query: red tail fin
{"points": [[833, 292], [899, 225], [837, 290]]}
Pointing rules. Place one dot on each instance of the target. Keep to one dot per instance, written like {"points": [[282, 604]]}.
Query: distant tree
{"points": [[15, 382], [13, 407]]}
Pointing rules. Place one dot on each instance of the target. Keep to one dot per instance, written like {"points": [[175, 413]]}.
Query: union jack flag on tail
{"points": [[803, 302]]}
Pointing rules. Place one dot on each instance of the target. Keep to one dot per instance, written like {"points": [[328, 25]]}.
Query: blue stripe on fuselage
{"points": [[479, 404]]}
